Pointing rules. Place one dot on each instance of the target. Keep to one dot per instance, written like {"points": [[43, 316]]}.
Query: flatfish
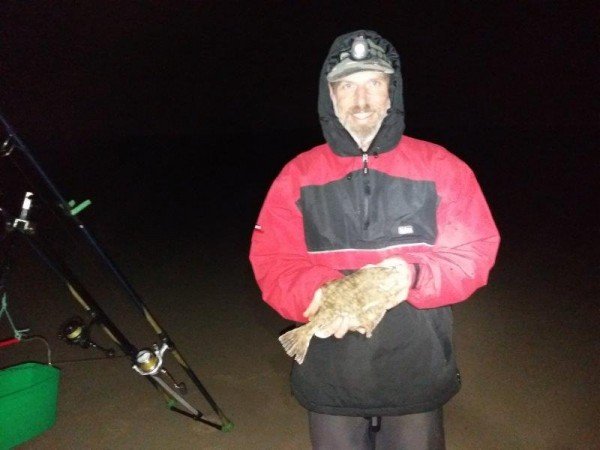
{"points": [[362, 297]]}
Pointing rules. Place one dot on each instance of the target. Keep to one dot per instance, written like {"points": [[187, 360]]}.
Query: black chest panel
{"points": [[368, 211]]}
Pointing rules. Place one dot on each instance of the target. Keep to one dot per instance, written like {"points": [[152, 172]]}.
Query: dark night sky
{"points": [[509, 87], [96, 69]]}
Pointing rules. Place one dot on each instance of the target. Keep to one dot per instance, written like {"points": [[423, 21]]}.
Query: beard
{"points": [[362, 129]]}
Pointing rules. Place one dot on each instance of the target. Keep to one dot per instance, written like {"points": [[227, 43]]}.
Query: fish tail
{"points": [[295, 342]]}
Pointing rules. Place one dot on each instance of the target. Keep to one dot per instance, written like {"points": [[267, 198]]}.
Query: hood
{"points": [[392, 127]]}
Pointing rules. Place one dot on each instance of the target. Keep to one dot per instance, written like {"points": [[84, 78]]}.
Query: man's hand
{"points": [[404, 277], [315, 304], [338, 327]]}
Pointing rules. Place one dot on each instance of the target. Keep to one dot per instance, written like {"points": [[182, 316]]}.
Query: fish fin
{"points": [[295, 342], [370, 327], [378, 319]]}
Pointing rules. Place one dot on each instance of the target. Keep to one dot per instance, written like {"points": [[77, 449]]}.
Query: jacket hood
{"points": [[392, 127]]}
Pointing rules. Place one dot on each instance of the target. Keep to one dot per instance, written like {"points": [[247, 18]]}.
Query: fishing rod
{"points": [[77, 333], [148, 362]]}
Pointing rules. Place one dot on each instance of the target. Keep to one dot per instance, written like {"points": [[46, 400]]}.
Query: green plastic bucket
{"points": [[28, 395]]}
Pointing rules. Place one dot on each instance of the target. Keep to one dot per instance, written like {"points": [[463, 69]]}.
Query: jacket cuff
{"points": [[416, 271]]}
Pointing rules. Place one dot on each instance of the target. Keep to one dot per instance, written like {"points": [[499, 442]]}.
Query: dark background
{"points": [[203, 102], [198, 100], [174, 118]]}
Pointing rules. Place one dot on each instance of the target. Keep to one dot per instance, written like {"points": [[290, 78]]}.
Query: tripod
{"points": [[148, 362]]}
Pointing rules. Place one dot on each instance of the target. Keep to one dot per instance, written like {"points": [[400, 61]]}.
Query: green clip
{"points": [[77, 209]]}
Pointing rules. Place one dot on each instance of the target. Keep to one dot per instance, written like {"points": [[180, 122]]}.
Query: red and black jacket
{"points": [[334, 209]]}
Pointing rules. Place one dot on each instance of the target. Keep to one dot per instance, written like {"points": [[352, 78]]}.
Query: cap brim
{"points": [[349, 66]]}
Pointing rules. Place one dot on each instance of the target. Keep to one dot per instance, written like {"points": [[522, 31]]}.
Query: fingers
{"points": [[338, 328], [328, 330], [323, 333], [342, 328], [314, 304], [362, 330]]}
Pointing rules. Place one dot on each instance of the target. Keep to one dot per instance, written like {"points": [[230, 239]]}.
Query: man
{"points": [[372, 196]]}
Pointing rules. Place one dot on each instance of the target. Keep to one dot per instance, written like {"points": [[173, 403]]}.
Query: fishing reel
{"points": [[22, 223], [76, 332], [149, 362], [8, 145]]}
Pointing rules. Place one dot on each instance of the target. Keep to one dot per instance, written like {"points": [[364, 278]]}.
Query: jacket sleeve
{"points": [[278, 253], [465, 250]]}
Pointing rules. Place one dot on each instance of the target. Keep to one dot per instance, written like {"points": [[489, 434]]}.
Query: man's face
{"points": [[361, 101]]}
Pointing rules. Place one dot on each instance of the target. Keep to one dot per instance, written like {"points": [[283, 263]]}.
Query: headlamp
{"points": [[360, 48]]}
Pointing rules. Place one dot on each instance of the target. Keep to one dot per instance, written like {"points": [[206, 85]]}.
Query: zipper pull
{"points": [[365, 159]]}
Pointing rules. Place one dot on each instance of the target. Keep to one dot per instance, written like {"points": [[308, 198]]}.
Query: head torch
{"points": [[360, 48], [363, 54]]}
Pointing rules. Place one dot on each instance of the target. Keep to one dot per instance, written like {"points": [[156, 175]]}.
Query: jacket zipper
{"points": [[367, 190]]}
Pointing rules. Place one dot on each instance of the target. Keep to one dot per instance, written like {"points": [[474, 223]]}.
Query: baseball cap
{"points": [[363, 55]]}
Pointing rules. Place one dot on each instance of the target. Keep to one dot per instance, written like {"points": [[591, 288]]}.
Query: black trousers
{"points": [[423, 431]]}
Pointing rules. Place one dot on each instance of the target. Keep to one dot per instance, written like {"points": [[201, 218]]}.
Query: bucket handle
{"points": [[12, 341]]}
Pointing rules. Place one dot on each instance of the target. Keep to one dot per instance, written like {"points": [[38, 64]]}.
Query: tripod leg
{"points": [[176, 396]]}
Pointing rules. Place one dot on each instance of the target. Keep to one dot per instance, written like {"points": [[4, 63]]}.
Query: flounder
{"points": [[362, 297]]}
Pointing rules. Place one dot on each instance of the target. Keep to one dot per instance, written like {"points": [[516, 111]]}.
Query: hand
{"points": [[401, 280], [339, 327], [315, 304]]}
